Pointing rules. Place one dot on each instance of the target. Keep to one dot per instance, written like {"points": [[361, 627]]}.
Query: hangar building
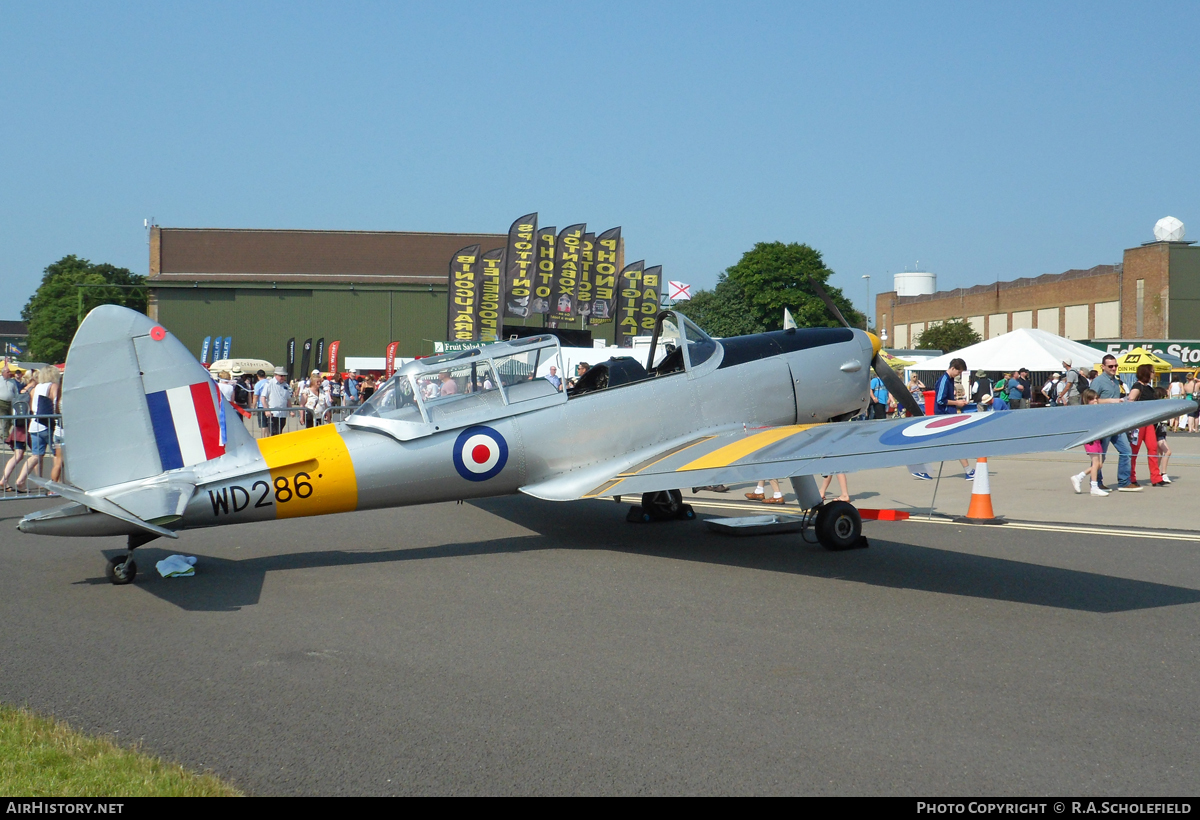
{"points": [[263, 287]]}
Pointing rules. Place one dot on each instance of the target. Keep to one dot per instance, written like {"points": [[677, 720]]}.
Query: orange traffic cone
{"points": [[980, 511]]}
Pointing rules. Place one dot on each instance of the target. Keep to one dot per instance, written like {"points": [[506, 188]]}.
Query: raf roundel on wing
{"points": [[932, 427], [480, 453]]}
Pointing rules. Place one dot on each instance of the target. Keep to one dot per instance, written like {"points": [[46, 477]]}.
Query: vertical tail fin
{"points": [[136, 402]]}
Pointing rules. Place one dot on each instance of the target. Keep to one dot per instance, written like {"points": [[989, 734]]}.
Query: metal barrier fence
{"points": [[16, 426], [293, 419]]}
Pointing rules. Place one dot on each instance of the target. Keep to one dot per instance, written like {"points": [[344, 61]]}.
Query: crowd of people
{"points": [[33, 393], [1075, 387], [1015, 390], [275, 398]]}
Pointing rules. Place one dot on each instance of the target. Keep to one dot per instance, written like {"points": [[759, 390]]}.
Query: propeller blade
{"points": [[828, 302], [895, 386]]}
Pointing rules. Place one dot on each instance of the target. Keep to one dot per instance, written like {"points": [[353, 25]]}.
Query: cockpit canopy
{"points": [[466, 387], [677, 346]]}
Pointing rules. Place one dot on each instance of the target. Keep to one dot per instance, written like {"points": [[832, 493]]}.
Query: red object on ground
{"points": [[882, 515], [929, 396], [1149, 436]]}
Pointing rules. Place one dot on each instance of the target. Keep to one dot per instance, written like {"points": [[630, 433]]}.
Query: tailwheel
{"points": [[839, 526], [121, 570]]}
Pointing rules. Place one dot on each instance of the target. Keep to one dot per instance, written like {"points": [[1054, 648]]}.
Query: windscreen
{"points": [[394, 399]]}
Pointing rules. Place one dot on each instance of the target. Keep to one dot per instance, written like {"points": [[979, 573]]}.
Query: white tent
{"points": [[1037, 350]]}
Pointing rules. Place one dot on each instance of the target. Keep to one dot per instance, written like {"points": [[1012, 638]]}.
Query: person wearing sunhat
{"points": [[275, 397], [981, 391], [1069, 389]]}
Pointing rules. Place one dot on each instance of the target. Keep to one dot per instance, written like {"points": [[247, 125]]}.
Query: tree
{"points": [[53, 311], [949, 336], [751, 295]]}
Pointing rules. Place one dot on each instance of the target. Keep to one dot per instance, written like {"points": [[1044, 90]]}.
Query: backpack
{"points": [[1084, 382]]}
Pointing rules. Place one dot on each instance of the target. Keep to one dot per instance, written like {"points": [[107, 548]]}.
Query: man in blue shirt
{"points": [[879, 399], [945, 404], [1108, 391]]}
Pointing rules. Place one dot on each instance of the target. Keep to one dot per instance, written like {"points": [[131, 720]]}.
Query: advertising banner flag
{"points": [[333, 356], [604, 277], [678, 291], [204, 350], [489, 291], [462, 320], [566, 273], [650, 303], [543, 275], [305, 357], [226, 346], [519, 265], [320, 362], [290, 358], [390, 360], [583, 296], [629, 298]]}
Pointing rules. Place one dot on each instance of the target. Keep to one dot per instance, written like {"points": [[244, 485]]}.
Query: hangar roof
{"points": [[241, 255]]}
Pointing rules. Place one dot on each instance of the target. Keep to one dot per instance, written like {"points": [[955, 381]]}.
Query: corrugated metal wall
{"points": [[261, 320]]}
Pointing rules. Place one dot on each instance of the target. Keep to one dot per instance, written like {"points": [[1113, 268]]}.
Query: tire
{"points": [[120, 571], [663, 505], [839, 526]]}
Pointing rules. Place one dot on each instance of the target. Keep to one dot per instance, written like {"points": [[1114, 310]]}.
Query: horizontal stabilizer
{"points": [[101, 505]]}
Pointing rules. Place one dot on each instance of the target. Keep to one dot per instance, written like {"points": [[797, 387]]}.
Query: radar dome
{"points": [[1168, 229]]}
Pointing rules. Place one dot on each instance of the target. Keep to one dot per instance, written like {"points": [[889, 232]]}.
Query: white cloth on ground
{"points": [[177, 566]]}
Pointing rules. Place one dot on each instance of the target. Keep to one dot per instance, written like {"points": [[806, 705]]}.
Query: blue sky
{"points": [[987, 141]]}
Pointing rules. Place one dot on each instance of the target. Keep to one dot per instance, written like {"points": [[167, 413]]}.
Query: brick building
{"points": [[1153, 294]]}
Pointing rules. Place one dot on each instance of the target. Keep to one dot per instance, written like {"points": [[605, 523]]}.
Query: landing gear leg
{"points": [[122, 569], [839, 527]]}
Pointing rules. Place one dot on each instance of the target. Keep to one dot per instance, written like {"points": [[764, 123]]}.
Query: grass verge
{"points": [[40, 757]]}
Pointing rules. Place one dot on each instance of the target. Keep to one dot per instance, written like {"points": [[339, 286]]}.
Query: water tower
{"points": [[915, 283]]}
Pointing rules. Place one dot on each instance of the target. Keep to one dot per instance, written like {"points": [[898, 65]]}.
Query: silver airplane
{"points": [[155, 451]]}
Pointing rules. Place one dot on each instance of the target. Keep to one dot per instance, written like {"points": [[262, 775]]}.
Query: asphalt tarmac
{"points": [[521, 647]]}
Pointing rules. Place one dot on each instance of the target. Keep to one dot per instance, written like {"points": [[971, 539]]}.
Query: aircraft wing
{"points": [[751, 454]]}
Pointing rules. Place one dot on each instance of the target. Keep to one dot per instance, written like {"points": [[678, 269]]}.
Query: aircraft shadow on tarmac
{"points": [[226, 584]]}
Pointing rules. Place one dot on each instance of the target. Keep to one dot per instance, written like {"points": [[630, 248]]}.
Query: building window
{"points": [[1108, 320], [1075, 319], [1022, 319], [1047, 320], [997, 324]]}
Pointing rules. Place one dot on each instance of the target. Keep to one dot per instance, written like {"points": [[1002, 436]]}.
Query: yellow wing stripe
{"points": [[650, 462], [724, 456], [312, 470]]}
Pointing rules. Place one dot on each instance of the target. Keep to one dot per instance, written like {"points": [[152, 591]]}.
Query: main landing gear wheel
{"points": [[664, 505], [121, 570], [839, 526]]}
